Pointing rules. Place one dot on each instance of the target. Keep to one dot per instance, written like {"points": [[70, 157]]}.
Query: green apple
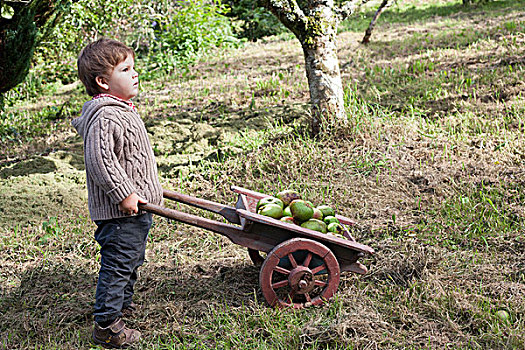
{"points": [[317, 214], [301, 211], [271, 210], [335, 228], [288, 219], [314, 224], [326, 210], [330, 219], [503, 315], [287, 196], [269, 200]]}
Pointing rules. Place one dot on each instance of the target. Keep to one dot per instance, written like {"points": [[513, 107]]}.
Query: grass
{"points": [[413, 12], [431, 168]]}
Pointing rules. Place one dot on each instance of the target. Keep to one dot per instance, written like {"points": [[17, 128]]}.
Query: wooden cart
{"points": [[302, 267]]}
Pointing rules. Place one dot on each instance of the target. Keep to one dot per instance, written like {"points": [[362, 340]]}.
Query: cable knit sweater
{"points": [[118, 157]]}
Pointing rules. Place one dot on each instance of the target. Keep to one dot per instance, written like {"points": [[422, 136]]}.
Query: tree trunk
{"points": [[324, 81], [316, 28]]}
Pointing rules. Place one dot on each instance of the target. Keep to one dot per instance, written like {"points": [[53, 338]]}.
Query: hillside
{"points": [[431, 169]]}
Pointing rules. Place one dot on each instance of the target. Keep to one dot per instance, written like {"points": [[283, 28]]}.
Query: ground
{"points": [[431, 169]]}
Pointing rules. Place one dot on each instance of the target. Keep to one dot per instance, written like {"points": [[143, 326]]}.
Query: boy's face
{"points": [[123, 81]]}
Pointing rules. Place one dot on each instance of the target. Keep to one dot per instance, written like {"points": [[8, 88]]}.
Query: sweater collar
{"points": [[128, 102]]}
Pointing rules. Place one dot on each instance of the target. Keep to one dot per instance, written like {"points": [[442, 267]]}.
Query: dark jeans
{"points": [[122, 247]]}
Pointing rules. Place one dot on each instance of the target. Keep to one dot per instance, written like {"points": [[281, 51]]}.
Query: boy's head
{"points": [[97, 62]]}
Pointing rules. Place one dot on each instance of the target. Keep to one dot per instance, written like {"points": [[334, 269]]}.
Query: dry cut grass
{"points": [[431, 168]]}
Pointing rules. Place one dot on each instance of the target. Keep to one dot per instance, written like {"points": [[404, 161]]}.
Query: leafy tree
{"points": [[164, 33], [23, 24], [314, 23]]}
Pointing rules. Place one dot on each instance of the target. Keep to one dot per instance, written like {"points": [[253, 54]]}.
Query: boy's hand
{"points": [[130, 204]]}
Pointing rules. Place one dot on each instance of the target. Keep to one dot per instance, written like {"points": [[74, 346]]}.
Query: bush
{"points": [[468, 2], [182, 33], [165, 34]]}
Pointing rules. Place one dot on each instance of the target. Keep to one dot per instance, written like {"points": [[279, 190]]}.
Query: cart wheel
{"points": [[299, 273], [256, 258]]}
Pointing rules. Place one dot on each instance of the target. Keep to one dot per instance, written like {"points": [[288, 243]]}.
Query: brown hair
{"points": [[98, 59]]}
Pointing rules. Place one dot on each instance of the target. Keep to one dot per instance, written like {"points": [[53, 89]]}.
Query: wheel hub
{"points": [[301, 280]]}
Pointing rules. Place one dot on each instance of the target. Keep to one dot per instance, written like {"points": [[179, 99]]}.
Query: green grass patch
{"points": [[408, 12], [429, 167]]}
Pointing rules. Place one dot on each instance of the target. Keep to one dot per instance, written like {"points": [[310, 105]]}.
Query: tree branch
{"points": [[368, 33], [349, 8], [288, 12]]}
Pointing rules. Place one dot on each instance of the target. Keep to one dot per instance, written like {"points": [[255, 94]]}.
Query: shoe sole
{"points": [[108, 345]]}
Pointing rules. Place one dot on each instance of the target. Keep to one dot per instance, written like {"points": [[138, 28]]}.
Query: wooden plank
{"points": [[249, 193], [322, 237], [345, 220]]}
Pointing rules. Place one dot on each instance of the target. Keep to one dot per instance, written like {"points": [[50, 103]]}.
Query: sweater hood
{"points": [[91, 112]]}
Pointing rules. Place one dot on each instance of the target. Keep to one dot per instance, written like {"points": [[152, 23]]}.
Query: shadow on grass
{"points": [[37, 165], [53, 304], [456, 37], [230, 284]]}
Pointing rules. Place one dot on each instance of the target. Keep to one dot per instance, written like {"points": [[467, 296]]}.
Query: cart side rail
{"points": [[249, 193], [321, 237], [258, 195]]}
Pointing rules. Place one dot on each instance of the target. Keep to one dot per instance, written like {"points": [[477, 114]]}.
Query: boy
{"points": [[121, 173]]}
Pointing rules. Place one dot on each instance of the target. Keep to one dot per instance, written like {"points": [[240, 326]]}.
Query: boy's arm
{"points": [[102, 142]]}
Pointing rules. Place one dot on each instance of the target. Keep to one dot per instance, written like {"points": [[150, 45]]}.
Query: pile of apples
{"points": [[288, 206]]}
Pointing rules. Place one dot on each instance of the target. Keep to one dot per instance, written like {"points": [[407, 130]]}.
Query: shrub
{"points": [[183, 32], [165, 34]]}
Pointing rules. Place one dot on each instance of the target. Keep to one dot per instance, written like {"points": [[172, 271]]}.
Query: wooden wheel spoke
{"points": [[281, 270], [318, 268], [307, 260], [320, 283], [308, 298], [280, 284], [292, 260], [298, 283]]}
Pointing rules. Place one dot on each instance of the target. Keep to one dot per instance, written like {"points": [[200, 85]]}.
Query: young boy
{"points": [[121, 173]]}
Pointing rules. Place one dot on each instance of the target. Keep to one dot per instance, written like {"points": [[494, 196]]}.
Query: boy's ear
{"points": [[101, 81]]}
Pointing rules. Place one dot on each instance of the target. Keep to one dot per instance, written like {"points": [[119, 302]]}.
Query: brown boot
{"points": [[130, 310], [115, 336]]}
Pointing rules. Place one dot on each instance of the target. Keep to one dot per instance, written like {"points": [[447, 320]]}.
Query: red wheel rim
{"points": [[299, 273]]}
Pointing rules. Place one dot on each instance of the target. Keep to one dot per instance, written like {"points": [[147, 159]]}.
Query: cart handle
{"points": [[229, 213]]}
